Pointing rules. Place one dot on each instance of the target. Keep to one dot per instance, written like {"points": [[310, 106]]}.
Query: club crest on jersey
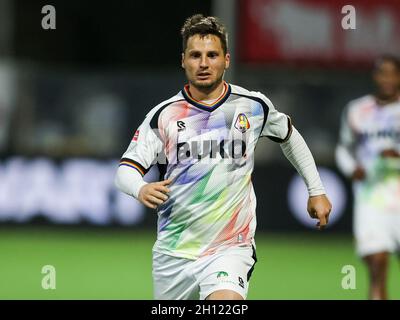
{"points": [[135, 136], [242, 123]]}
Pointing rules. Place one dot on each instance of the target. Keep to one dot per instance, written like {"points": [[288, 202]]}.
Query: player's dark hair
{"points": [[387, 58], [203, 26]]}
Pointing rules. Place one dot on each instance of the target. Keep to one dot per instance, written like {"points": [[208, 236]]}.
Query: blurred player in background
{"points": [[203, 140], [369, 153]]}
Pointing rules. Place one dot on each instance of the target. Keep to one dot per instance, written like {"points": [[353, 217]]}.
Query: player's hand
{"points": [[358, 174], [390, 153], [154, 194], [319, 207]]}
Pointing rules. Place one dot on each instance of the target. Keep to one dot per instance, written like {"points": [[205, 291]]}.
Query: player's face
{"points": [[387, 79], [204, 61]]}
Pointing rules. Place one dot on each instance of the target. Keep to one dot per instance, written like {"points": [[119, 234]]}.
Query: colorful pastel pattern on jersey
{"points": [[210, 153], [374, 129]]}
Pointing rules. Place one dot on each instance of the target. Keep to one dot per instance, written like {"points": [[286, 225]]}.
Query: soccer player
{"points": [[368, 153], [203, 141]]}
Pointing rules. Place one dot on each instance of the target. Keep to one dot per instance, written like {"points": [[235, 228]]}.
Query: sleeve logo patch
{"points": [[135, 136]]}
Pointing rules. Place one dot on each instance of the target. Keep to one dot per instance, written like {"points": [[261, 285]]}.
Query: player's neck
{"points": [[382, 101], [204, 94]]}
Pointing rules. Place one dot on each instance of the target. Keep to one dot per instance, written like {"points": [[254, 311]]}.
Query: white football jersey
{"points": [[208, 152], [366, 130]]}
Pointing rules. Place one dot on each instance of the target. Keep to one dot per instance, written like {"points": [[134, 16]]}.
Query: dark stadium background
{"points": [[71, 99]]}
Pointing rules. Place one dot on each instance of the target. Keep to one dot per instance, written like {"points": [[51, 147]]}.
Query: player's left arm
{"points": [[279, 128], [297, 152]]}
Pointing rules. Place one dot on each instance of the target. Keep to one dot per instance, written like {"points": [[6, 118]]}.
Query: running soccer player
{"points": [[369, 153], [203, 141]]}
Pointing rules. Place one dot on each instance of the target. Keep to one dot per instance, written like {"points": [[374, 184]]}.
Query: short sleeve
{"points": [[144, 148], [277, 125]]}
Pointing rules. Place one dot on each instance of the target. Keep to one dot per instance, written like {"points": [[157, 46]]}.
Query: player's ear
{"points": [[183, 60], [227, 61]]}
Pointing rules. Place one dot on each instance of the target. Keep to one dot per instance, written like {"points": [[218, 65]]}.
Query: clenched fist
{"points": [[319, 207]]}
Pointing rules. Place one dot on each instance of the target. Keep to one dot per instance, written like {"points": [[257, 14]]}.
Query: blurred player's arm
{"points": [[279, 128], [136, 162], [345, 151]]}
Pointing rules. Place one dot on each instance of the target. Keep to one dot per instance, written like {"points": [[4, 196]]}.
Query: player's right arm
{"points": [[136, 162], [345, 150]]}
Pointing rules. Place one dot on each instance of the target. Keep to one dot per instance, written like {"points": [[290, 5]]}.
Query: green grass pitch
{"points": [[116, 264]]}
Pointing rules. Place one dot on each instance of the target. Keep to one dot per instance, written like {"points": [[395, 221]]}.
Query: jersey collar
{"points": [[205, 106]]}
